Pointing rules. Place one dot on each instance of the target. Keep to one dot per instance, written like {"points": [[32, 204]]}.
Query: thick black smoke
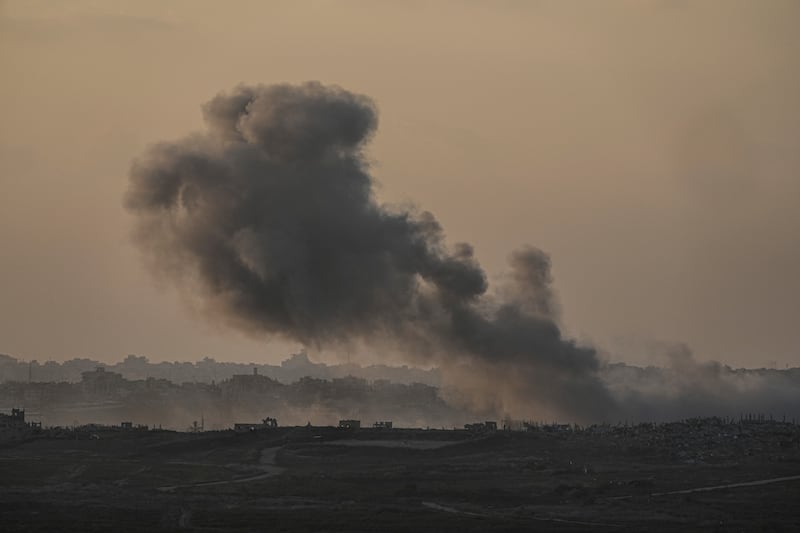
{"points": [[270, 217]]}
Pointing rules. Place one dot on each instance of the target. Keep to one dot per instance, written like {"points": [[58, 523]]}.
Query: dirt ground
{"points": [[718, 478]]}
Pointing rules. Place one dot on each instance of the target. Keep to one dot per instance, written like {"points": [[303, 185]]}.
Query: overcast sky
{"points": [[651, 148]]}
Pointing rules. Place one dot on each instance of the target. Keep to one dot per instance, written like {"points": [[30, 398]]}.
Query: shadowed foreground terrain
{"points": [[326, 479]]}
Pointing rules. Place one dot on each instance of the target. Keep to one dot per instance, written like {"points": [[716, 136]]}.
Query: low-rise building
{"points": [[267, 423], [482, 427], [349, 424]]}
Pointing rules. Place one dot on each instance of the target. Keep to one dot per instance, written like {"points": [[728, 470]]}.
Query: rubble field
{"points": [[707, 475]]}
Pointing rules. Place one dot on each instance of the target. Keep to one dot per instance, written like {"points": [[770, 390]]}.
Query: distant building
{"points": [[349, 424], [101, 382], [254, 382], [482, 427], [16, 420], [267, 423]]}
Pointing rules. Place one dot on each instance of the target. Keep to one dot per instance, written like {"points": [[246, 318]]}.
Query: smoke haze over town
{"points": [[611, 207]]}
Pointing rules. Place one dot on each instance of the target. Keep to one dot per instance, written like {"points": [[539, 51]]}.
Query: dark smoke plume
{"points": [[270, 218]]}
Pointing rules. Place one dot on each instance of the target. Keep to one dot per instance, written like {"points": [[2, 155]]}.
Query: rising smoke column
{"points": [[270, 219]]}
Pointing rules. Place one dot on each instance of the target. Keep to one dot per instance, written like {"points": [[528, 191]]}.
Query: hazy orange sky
{"points": [[652, 148]]}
